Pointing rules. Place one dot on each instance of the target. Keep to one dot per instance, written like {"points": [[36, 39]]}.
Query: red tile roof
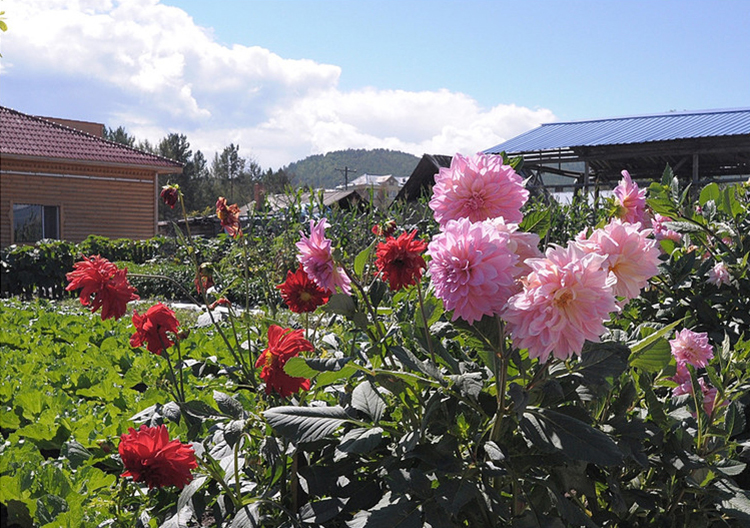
{"points": [[29, 136]]}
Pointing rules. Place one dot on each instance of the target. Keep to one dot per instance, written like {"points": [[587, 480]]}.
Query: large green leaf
{"points": [[653, 353], [551, 431], [366, 399], [306, 424], [600, 361]]}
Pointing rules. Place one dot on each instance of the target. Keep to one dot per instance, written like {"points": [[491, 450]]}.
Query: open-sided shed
{"points": [[699, 146]]}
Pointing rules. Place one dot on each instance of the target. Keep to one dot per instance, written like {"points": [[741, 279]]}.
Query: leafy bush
{"points": [[405, 416]]}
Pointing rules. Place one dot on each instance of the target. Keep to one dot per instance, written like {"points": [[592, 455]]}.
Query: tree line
{"points": [[228, 174]]}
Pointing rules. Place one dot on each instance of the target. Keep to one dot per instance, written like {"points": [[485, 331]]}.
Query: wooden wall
{"points": [[108, 201]]}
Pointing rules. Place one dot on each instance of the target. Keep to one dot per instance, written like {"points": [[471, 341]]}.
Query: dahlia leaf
{"points": [[366, 399], [247, 517], [228, 405], [360, 440], [306, 424], [537, 222], [361, 259], [551, 431], [322, 511], [652, 353]]}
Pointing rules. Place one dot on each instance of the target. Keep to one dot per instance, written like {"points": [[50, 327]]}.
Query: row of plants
{"points": [[439, 371]]}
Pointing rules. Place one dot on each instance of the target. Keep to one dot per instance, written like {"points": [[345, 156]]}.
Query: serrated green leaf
{"points": [[538, 222]]}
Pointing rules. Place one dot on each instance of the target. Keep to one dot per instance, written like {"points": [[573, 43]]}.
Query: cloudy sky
{"points": [[288, 78]]}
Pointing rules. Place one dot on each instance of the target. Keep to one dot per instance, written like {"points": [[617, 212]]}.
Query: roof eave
{"points": [[160, 169]]}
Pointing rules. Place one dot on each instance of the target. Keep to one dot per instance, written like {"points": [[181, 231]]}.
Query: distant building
{"points": [[382, 188], [68, 182], [423, 177], [712, 145]]}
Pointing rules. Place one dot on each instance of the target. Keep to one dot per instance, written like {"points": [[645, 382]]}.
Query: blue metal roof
{"points": [[625, 130]]}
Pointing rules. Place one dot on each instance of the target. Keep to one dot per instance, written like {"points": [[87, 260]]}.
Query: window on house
{"points": [[32, 222]]}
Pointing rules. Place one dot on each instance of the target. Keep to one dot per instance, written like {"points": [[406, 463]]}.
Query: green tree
{"points": [[119, 135]]}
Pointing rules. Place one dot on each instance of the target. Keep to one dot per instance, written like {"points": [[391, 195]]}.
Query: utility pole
{"points": [[345, 171]]}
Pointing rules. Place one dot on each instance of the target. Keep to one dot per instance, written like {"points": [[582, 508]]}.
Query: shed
{"points": [[706, 145], [422, 177], [57, 181]]}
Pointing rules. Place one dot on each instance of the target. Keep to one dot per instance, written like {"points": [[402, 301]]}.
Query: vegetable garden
{"points": [[482, 360]]}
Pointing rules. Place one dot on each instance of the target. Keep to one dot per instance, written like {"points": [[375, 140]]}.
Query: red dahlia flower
{"points": [[151, 328], [150, 457], [204, 279], [400, 260], [283, 344], [229, 216], [301, 294], [99, 277], [170, 194]]}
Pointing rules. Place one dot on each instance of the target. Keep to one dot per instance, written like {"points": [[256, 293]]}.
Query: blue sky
{"points": [[289, 78]]}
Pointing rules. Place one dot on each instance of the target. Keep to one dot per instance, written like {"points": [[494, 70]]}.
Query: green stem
{"points": [[427, 335], [501, 374]]}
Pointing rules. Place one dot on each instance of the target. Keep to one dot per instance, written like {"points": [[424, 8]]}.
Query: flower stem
{"points": [[427, 336], [501, 374]]}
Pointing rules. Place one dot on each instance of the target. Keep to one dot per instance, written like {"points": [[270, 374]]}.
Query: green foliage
{"points": [[321, 170], [411, 419]]}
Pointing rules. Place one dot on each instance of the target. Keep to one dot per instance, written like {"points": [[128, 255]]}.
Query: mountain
{"points": [[321, 171]]}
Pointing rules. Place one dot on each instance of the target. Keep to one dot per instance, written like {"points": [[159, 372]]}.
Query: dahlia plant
{"points": [[458, 374]]}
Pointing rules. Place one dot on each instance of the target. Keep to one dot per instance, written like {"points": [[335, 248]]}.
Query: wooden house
{"points": [[59, 181]]}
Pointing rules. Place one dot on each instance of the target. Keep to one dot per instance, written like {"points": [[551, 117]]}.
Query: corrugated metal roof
{"points": [[26, 135], [628, 130]]}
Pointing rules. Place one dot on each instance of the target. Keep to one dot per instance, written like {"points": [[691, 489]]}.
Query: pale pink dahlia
{"points": [[565, 301], [709, 397], [631, 199], [524, 245], [317, 260], [471, 269], [631, 255], [683, 380], [719, 274], [661, 231], [478, 188], [691, 347]]}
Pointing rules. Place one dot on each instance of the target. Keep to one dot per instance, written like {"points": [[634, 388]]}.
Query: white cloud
{"points": [[160, 73]]}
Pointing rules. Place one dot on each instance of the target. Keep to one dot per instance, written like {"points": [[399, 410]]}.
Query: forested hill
{"points": [[319, 171]]}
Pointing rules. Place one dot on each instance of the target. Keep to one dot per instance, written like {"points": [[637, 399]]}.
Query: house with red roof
{"points": [[61, 179]]}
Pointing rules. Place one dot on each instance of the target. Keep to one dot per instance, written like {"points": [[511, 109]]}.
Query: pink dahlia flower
{"points": [[631, 255], [683, 380], [631, 199], [709, 397], [472, 268], [317, 260], [692, 348], [478, 188], [662, 232], [564, 302], [524, 245], [719, 274]]}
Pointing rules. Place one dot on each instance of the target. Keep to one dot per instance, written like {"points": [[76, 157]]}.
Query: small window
{"points": [[32, 222]]}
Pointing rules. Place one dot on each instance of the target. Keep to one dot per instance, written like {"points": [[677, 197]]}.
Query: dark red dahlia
{"points": [[98, 277], [151, 328], [400, 260], [301, 294], [170, 194], [150, 457], [229, 216]]}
